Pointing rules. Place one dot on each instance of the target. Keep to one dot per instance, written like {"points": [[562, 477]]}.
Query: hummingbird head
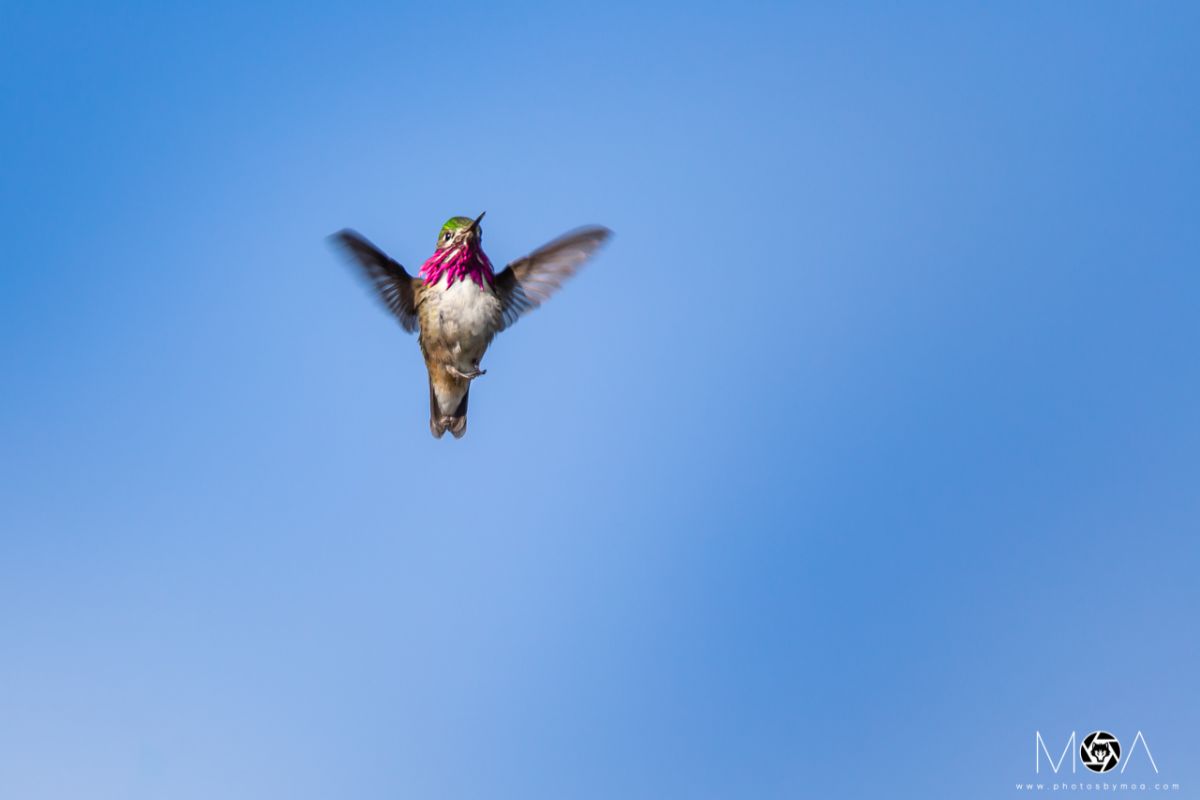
{"points": [[459, 231], [459, 254]]}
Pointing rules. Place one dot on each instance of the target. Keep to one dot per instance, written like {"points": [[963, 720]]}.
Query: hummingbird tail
{"points": [[458, 425], [439, 423]]}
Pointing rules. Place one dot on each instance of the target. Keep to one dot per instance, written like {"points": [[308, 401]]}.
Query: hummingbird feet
{"points": [[467, 376]]}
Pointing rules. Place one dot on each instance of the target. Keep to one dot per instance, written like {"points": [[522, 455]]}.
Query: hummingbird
{"points": [[457, 303]]}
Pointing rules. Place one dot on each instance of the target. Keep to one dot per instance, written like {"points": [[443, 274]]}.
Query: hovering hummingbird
{"points": [[459, 303]]}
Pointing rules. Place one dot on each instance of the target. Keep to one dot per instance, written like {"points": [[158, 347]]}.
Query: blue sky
{"points": [[866, 450]]}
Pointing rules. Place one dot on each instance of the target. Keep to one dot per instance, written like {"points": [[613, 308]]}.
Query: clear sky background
{"points": [[867, 449]]}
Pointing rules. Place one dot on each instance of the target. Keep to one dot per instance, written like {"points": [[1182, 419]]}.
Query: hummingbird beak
{"points": [[474, 226]]}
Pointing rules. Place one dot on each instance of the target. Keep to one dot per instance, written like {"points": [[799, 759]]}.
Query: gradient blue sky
{"points": [[868, 448]]}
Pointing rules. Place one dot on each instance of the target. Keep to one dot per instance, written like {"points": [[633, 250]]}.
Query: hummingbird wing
{"points": [[529, 281], [395, 287]]}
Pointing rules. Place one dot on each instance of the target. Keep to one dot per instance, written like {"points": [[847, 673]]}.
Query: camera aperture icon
{"points": [[1100, 751]]}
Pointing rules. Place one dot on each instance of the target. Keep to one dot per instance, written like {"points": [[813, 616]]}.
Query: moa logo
{"points": [[1100, 751]]}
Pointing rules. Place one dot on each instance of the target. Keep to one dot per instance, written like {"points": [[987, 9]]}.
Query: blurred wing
{"points": [[395, 287], [528, 282]]}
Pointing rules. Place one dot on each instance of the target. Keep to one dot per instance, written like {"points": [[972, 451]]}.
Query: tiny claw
{"points": [[467, 376]]}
